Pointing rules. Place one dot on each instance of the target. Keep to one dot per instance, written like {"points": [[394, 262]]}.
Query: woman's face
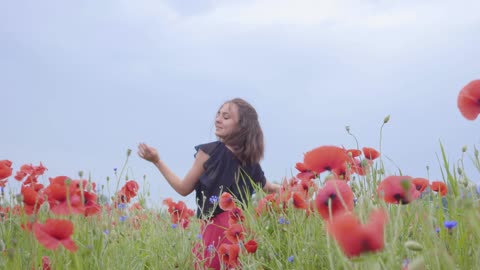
{"points": [[226, 120]]}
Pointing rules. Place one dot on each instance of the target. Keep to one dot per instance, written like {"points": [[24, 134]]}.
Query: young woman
{"points": [[230, 164]]}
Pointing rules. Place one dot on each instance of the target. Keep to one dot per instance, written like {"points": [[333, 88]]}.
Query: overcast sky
{"points": [[83, 81]]}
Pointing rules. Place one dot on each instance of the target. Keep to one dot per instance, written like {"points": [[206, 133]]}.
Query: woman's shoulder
{"points": [[209, 148]]}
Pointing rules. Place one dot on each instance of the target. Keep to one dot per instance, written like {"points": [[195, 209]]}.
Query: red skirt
{"points": [[212, 237]]}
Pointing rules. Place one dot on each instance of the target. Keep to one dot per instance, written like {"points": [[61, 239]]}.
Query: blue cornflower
{"points": [[122, 206], [437, 230], [213, 199], [211, 248], [199, 236], [106, 232], [450, 224], [405, 263], [123, 218], [174, 225], [290, 259], [115, 170], [282, 220]]}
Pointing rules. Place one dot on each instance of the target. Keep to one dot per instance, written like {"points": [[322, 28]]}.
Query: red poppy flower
{"points": [[226, 201], [355, 238], [131, 188], [370, 153], [179, 212], [251, 246], [439, 187], [31, 200], [299, 201], [228, 254], [5, 168], [301, 167], [235, 233], [397, 189], [339, 193], [235, 216], [306, 175], [354, 152], [55, 232], [469, 100], [266, 204], [46, 263], [420, 183], [327, 158]]}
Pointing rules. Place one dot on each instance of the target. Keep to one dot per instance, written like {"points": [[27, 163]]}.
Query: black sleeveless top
{"points": [[224, 173]]}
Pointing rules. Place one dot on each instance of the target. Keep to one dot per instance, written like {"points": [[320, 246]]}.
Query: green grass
{"points": [[287, 239]]}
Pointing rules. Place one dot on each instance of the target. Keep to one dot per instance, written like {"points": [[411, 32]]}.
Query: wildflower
{"points": [[420, 183], [199, 236], [235, 233], [211, 248], [174, 225], [115, 170], [179, 212], [251, 246], [469, 100], [226, 201], [55, 232], [405, 264], [213, 199], [122, 206], [290, 259], [354, 152], [370, 153], [5, 168], [355, 238], [398, 189], [123, 218], [327, 158], [338, 194], [439, 187], [106, 232], [235, 216], [228, 254], [282, 220], [46, 263], [298, 201], [437, 230], [450, 224]]}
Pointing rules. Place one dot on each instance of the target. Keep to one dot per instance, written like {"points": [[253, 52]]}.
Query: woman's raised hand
{"points": [[148, 153]]}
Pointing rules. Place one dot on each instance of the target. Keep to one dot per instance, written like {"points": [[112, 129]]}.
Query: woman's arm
{"points": [[271, 187], [181, 186]]}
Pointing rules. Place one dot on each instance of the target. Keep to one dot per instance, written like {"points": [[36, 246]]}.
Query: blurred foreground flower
{"points": [[469, 100], [55, 232], [355, 238]]}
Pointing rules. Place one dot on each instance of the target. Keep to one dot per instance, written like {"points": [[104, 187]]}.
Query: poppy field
{"points": [[342, 210]]}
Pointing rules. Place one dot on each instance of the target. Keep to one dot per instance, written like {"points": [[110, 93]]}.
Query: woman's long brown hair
{"points": [[247, 141]]}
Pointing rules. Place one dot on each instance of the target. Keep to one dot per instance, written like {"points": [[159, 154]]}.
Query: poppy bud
{"points": [[347, 128], [386, 119], [129, 151], [80, 174], [475, 152], [464, 149], [413, 245]]}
